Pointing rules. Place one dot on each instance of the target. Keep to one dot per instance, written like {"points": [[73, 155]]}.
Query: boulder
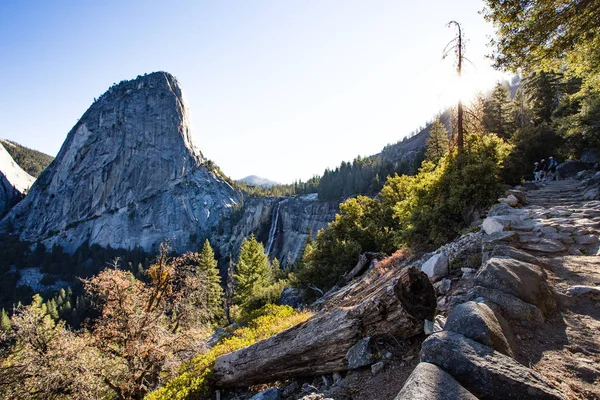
{"points": [[377, 367], [467, 273], [582, 290], [477, 321], [488, 242], [360, 354], [430, 327], [440, 321], [511, 252], [582, 175], [589, 157], [496, 224], [483, 371], [436, 267], [570, 168], [500, 209], [545, 245], [511, 306], [428, 381], [518, 278], [548, 229], [586, 239], [269, 394], [511, 200], [519, 194], [592, 194], [443, 286]]}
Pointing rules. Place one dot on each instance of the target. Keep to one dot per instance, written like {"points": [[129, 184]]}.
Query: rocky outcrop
{"points": [[127, 175], [517, 278], [486, 373], [570, 168], [14, 182]]}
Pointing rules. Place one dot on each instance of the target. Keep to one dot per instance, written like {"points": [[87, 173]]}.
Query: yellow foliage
{"points": [[193, 381]]}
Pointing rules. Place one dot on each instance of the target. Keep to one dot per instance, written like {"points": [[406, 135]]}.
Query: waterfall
{"points": [[273, 230]]}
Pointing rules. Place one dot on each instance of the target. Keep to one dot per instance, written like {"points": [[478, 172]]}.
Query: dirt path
{"points": [[566, 348]]}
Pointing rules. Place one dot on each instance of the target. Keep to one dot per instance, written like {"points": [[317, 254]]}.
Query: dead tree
{"points": [[318, 346]]}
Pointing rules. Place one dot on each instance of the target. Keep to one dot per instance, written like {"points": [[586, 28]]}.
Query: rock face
{"points": [[14, 182], [127, 175], [282, 224]]}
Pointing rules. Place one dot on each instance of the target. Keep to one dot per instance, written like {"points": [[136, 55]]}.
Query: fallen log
{"points": [[319, 345]]}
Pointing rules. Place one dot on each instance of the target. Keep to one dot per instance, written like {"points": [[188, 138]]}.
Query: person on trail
{"points": [[543, 170], [552, 169], [536, 171]]}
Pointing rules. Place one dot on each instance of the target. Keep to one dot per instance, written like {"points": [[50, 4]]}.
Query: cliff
{"points": [[128, 174], [281, 223]]}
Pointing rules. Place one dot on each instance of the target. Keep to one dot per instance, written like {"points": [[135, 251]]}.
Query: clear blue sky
{"points": [[281, 89]]}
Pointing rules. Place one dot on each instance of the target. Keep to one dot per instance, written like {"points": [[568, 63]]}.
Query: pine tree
{"points": [[542, 93], [253, 270], [208, 266], [5, 324], [437, 143], [498, 113], [276, 269]]}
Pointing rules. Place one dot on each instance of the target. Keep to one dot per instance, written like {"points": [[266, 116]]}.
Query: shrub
{"points": [[194, 380], [421, 211], [264, 295]]}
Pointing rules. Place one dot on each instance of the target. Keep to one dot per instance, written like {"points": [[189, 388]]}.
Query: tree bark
{"points": [[319, 345]]}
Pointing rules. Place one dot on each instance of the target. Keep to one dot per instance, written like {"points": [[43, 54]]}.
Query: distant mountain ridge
{"points": [[255, 180], [14, 182], [32, 161]]}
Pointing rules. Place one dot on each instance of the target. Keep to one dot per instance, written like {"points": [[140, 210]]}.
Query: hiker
{"points": [[536, 171], [543, 170], [552, 169]]}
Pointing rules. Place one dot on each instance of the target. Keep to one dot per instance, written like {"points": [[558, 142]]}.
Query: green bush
{"points": [[429, 208], [263, 295], [422, 211]]}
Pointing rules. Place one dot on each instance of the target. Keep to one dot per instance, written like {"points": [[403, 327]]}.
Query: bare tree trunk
{"points": [[319, 345]]}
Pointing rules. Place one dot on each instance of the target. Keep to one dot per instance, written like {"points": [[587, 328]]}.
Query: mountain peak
{"points": [[255, 180], [127, 173]]}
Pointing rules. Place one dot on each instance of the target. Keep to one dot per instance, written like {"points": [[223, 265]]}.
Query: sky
{"points": [[280, 89]]}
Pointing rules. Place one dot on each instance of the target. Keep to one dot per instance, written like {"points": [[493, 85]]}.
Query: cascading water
{"points": [[273, 230]]}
